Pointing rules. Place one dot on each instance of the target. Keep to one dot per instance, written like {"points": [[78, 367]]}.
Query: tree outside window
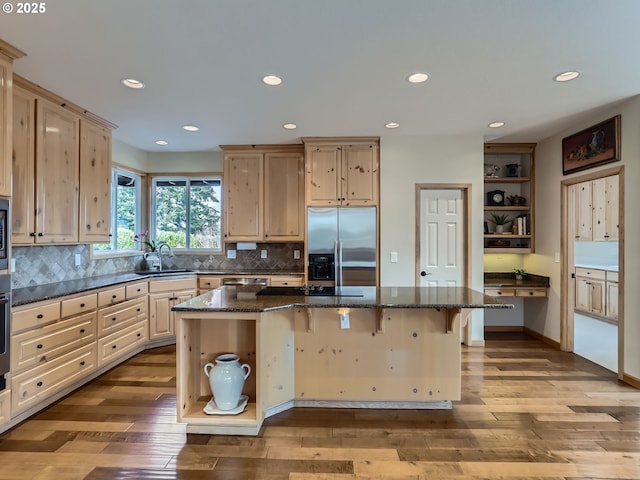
{"points": [[187, 212]]}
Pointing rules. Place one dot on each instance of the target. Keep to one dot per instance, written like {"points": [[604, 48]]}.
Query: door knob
{"points": [[424, 274]]}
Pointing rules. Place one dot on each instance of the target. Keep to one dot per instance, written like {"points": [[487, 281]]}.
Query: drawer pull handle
{"points": [[114, 296], [139, 309], [39, 384], [139, 289], [82, 363], [531, 293], [139, 334], [82, 330], [82, 305], [114, 346], [40, 346], [114, 319], [40, 316]]}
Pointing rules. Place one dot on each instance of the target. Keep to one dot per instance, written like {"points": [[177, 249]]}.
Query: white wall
{"points": [[185, 162], [129, 156], [546, 318], [406, 161]]}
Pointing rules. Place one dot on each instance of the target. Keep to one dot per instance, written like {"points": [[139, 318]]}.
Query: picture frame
{"points": [[592, 147]]}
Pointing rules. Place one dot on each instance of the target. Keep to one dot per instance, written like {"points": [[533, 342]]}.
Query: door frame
{"points": [[466, 239], [567, 294]]}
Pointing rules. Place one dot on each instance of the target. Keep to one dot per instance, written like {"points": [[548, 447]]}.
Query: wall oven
{"points": [[5, 327]]}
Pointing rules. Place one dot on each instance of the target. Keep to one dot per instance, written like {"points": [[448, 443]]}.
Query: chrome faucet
{"points": [[159, 248]]}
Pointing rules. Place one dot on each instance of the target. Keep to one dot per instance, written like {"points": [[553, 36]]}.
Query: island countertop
{"points": [[229, 299]]}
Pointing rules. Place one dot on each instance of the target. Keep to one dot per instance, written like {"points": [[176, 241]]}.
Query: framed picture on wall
{"points": [[592, 146]]}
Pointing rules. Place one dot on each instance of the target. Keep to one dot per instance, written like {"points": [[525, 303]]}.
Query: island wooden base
{"points": [[392, 358]]}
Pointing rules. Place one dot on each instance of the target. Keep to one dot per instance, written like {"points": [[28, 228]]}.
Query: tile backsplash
{"points": [[37, 265]]}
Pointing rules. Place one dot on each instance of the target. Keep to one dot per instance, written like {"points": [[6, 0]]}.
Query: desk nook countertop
{"points": [[392, 347]]}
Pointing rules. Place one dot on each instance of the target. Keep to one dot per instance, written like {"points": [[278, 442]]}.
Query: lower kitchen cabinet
{"points": [[517, 292], [163, 295], [5, 406], [122, 328], [611, 296], [590, 291], [120, 343], [287, 281]]}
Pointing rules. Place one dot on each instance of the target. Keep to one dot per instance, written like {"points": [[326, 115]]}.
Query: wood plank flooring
{"points": [[528, 412]]}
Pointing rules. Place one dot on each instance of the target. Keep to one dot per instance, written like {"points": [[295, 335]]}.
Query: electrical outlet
{"points": [[394, 257], [263, 254], [344, 321], [231, 254], [78, 260], [296, 254], [13, 265]]}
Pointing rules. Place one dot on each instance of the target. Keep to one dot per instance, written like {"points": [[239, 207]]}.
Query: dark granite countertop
{"points": [[509, 280], [225, 299], [48, 291]]}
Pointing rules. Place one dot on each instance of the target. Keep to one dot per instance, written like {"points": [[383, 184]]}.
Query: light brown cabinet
{"points": [[341, 172], [163, 295], [264, 187], [509, 190], [55, 152], [611, 296], [6, 75], [590, 291], [596, 207]]}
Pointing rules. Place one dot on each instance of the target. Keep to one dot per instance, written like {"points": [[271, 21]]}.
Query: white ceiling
{"points": [[344, 64]]}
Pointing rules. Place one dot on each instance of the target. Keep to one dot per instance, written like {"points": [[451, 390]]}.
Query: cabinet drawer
{"points": [[111, 296], [41, 345], [5, 406], [500, 292], [76, 306], [590, 273], [120, 343], [39, 383], [137, 290], [531, 292], [172, 285], [612, 276], [113, 318], [35, 317], [284, 281], [209, 283]]}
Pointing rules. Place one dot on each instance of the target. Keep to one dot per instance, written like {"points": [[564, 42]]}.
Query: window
{"points": [[186, 212], [126, 193]]}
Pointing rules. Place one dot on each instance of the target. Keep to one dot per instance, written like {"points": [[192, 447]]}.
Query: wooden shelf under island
{"points": [[401, 349]]}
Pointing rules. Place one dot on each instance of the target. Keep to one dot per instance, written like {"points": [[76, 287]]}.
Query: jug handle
{"points": [[248, 367], [211, 365]]}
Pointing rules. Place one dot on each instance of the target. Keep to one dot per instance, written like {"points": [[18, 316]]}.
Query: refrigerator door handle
{"points": [[340, 261], [336, 262]]}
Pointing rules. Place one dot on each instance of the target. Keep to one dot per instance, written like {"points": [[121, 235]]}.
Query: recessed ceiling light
{"points": [[417, 78], [132, 83], [271, 80], [392, 125], [190, 128], [162, 142], [496, 124], [290, 126], [566, 76]]}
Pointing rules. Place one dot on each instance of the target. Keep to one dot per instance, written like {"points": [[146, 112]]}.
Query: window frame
{"points": [[139, 216], [188, 177]]}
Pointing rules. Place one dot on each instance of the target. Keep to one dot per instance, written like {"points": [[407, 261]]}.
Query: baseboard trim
{"points": [[503, 328], [476, 343], [631, 380], [539, 336]]}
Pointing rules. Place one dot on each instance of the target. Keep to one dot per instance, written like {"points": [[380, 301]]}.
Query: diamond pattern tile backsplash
{"points": [[39, 265]]}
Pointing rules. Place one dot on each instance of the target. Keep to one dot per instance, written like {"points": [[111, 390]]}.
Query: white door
{"points": [[442, 238]]}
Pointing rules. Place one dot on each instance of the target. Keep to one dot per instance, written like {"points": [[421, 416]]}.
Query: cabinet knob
{"points": [[39, 384], [40, 346], [32, 234], [82, 363], [40, 234], [82, 330], [114, 346], [82, 305], [113, 319], [114, 296]]}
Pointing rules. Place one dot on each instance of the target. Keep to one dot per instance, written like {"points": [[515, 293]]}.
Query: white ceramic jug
{"points": [[226, 379]]}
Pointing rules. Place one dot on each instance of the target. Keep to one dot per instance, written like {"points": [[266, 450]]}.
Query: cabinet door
{"points": [[584, 212], [160, 324], [244, 199], [57, 161], [359, 175], [95, 183], [597, 297], [24, 151], [599, 202], [284, 197], [583, 294], [612, 208], [6, 100], [323, 175], [611, 301]]}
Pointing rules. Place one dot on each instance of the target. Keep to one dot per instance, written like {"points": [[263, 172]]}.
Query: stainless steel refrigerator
{"points": [[342, 246]]}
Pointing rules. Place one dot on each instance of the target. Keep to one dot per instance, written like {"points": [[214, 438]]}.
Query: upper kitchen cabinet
{"points": [[264, 193], [62, 170], [95, 183], [8, 54], [597, 211], [509, 198], [342, 171]]}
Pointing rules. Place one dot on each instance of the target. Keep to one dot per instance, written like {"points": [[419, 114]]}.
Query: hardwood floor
{"points": [[528, 412]]}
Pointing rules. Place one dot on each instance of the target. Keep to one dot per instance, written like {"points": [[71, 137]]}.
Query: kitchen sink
{"points": [[163, 272]]}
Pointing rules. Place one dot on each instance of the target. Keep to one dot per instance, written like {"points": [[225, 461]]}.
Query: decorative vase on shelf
{"points": [[499, 228], [226, 379]]}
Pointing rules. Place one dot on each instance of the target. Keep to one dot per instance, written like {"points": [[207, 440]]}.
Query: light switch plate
{"points": [[394, 257], [13, 265], [344, 321], [263, 254], [78, 259], [296, 254], [231, 254]]}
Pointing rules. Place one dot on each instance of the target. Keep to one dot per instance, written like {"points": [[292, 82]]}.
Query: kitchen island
{"points": [[391, 347]]}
